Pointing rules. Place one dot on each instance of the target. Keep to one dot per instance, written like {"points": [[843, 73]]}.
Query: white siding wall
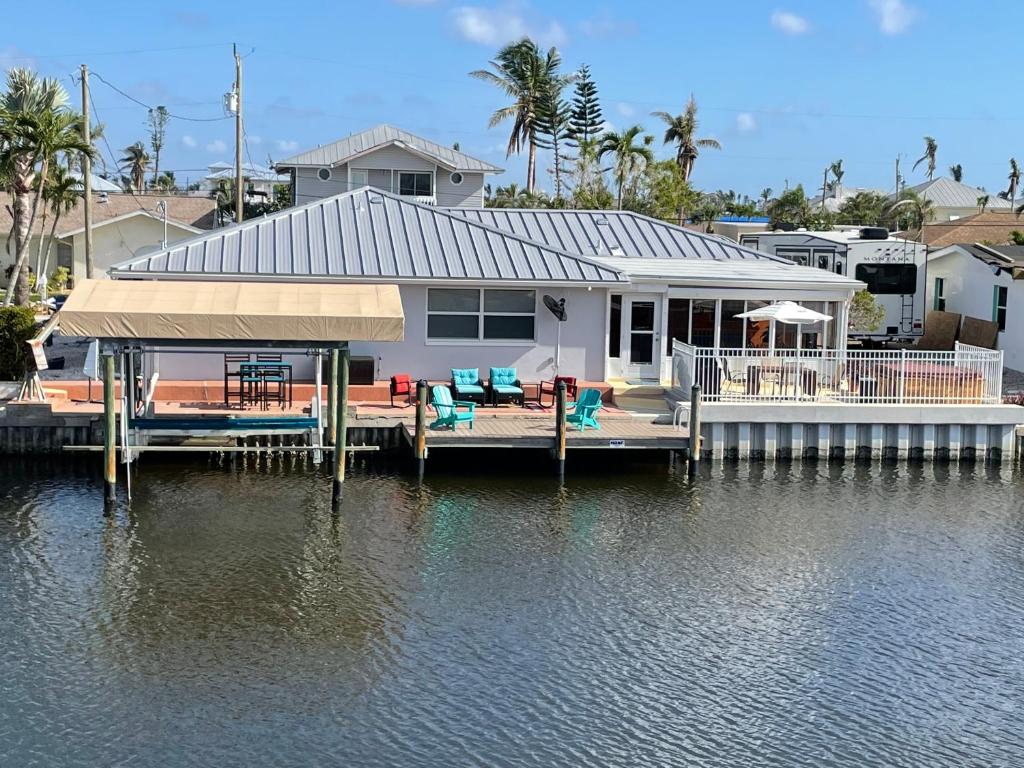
{"points": [[119, 240], [582, 342], [468, 194], [969, 287], [309, 188]]}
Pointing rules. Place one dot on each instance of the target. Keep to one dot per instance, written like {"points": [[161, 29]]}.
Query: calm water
{"points": [[799, 615]]}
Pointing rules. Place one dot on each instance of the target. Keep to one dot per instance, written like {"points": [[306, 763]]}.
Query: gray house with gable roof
{"points": [[391, 160]]}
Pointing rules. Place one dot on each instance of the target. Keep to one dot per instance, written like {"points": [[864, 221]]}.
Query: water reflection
{"points": [[770, 614]]}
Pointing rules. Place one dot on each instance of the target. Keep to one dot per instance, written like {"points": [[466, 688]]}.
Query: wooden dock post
{"points": [[332, 398], [560, 427], [420, 447], [109, 430], [341, 427], [694, 428]]}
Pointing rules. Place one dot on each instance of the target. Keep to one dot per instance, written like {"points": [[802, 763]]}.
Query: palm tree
{"points": [[36, 124], [134, 164], [527, 77], [630, 158], [61, 195], [983, 203], [766, 197], [918, 211], [957, 172], [682, 130], [1014, 177], [930, 150], [836, 169]]}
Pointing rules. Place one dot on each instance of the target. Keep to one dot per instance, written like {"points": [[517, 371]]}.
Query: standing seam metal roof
{"points": [[946, 193], [369, 234], [619, 234], [381, 136]]}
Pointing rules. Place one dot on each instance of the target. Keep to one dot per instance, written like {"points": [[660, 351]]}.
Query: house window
{"points": [[360, 177], [801, 256], [999, 294], [939, 299], [415, 184], [678, 323], [324, 174], [615, 326], [456, 178], [888, 279], [482, 314]]}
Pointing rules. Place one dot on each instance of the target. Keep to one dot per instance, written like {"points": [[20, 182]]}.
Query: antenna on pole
{"points": [[239, 197]]}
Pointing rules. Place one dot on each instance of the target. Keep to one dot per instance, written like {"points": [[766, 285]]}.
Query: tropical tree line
{"points": [[592, 166], [41, 139]]}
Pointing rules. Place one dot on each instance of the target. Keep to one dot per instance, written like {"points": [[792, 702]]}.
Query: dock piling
{"points": [[420, 448], [109, 431], [341, 433], [560, 427], [695, 446], [332, 398]]}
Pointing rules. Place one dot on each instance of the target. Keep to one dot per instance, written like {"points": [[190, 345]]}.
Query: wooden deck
{"points": [[621, 432]]}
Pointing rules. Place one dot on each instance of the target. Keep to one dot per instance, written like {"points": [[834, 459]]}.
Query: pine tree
{"points": [[585, 120], [554, 129]]}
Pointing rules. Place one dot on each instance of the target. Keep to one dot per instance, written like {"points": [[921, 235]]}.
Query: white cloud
{"points": [[217, 147], [624, 109], [894, 16], [496, 26], [745, 122], [255, 140], [188, 141], [790, 23], [287, 145]]}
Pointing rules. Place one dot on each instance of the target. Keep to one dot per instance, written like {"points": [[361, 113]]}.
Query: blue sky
{"points": [[786, 87]]}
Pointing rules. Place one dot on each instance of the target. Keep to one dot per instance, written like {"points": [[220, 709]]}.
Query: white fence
{"points": [[968, 375]]}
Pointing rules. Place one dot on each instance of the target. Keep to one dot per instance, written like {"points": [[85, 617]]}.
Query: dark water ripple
{"points": [[778, 616]]}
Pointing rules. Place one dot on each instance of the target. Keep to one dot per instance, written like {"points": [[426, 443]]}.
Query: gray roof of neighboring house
{"points": [[357, 144], [613, 233], [996, 255], [946, 193], [368, 234]]}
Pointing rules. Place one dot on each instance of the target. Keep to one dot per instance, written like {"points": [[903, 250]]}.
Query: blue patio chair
{"points": [[584, 411], [504, 385], [466, 384], [447, 410]]}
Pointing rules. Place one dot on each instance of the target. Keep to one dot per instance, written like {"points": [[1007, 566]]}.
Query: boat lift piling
{"points": [[560, 427], [695, 440], [341, 422], [109, 430], [420, 445]]}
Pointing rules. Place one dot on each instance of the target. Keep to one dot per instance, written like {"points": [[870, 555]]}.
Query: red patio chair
{"points": [[401, 384], [551, 388]]}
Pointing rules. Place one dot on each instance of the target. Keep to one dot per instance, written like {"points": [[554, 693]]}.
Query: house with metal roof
{"points": [[472, 282], [392, 160], [952, 199], [986, 282]]}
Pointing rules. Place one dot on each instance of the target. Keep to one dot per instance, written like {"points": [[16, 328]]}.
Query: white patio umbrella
{"points": [[788, 312]]}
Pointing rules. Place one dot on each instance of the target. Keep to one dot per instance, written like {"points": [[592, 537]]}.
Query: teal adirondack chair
{"points": [[447, 411], [584, 410]]}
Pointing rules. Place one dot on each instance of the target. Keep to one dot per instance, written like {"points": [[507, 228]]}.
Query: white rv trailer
{"points": [[895, 270]]}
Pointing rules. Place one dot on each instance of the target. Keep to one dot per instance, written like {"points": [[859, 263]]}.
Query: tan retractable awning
{"points": [[233, 311]]}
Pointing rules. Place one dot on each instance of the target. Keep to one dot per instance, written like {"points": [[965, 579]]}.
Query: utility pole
{"points": [[238, 136], [87, 172], [897, 197]]}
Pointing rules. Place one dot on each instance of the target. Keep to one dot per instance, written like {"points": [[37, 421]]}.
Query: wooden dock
{"points": [[530, 431]]}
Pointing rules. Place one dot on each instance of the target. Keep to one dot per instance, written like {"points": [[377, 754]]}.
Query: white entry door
{"points": [[641, 336]]}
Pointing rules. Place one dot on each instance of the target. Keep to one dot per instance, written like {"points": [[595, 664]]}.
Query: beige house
{"points": [[123, 225]]}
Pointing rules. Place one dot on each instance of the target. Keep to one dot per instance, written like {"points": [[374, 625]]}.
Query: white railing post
{"points": [[903, 377]]}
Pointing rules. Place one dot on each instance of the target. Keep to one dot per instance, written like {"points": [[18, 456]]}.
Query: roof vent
{"points": [[874, 233]]}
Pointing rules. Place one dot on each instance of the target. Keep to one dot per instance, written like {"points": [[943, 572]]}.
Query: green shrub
{"points": [[17, 325], [866, 315], [58, 280]]}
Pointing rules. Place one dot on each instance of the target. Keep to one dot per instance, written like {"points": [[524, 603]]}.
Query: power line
{"points": [[148, 107]]}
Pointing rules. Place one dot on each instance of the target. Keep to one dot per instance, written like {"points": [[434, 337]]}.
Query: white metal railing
{"points": [[966, 376]]}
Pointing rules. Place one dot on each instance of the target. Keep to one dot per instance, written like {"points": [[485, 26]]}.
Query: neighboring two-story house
{"points": [[392, 160]]}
